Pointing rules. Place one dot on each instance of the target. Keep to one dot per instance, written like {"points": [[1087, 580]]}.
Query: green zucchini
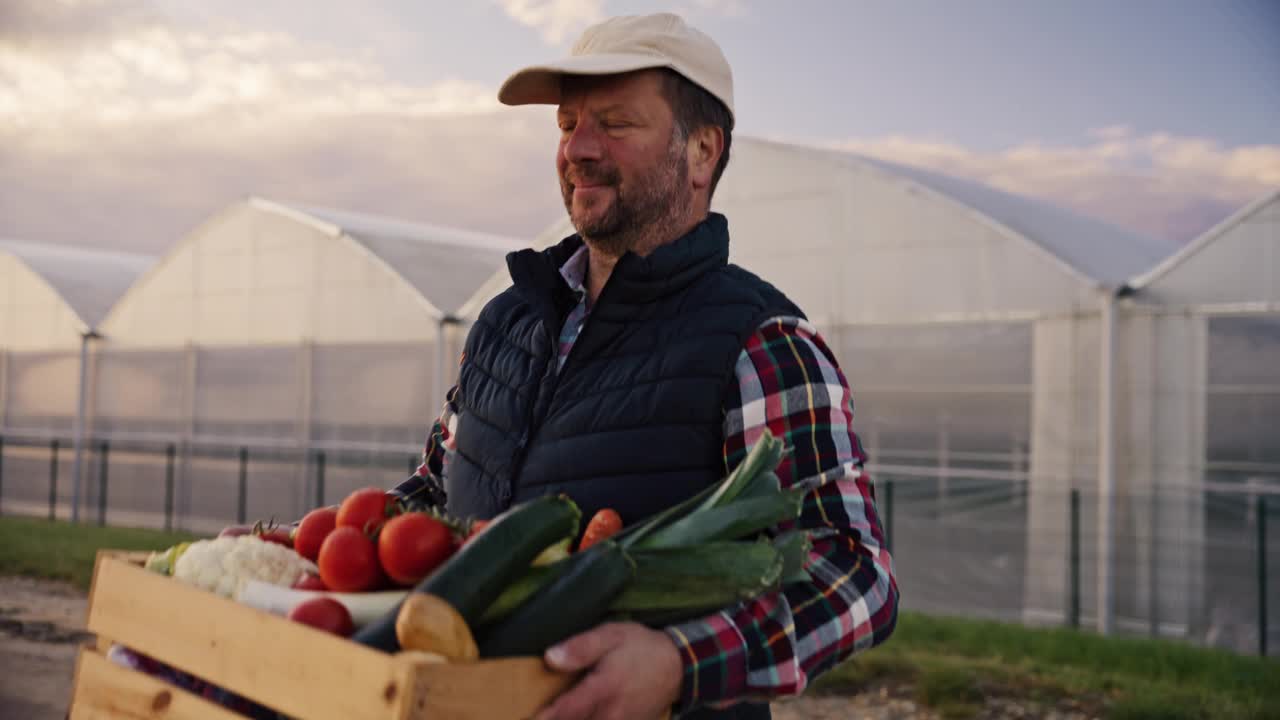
{"points": [[522, 589], [476, 575], [575, 601]]}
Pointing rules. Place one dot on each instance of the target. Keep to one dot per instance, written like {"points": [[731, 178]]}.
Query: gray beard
{"points": [[644, 218]]}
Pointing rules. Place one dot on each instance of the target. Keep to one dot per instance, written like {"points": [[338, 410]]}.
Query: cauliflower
{"points": [[223, 564]]}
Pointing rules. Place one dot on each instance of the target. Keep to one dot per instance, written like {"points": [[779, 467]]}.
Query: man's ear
{"points": [[705, 145]]}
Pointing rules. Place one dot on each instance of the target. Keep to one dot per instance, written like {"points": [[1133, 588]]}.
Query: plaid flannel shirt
{"points": [[774, 645]]}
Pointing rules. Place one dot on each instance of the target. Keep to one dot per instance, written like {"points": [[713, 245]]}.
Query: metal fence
{"points": [[973, 539]]}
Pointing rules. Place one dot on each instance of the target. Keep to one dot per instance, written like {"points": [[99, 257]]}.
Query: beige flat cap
{"points": [[625, 44]]}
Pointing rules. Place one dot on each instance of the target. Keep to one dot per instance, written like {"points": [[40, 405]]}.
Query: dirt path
{"points": [[41, 627]]}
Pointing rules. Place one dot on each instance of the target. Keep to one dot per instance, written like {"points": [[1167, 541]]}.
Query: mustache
{"points": [[589, 175]]}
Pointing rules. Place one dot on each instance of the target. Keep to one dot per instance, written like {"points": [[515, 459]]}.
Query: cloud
{"points": [[128, 133], [554, 20], [727, 8], [1163, 185], [61, 23], [154, 72]]}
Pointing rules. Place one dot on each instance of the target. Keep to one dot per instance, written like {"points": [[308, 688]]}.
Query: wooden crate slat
{"points": [[290, 667], [106, 691], [508, 688]]}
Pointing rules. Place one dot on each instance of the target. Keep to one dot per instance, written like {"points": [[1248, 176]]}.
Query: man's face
{"points": [[623, 169]]}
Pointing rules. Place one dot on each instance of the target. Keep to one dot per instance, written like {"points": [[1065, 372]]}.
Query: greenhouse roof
{"points": [[445, 265], [1205, 240], [89, 281], [1103, 252], [1099, 251]]}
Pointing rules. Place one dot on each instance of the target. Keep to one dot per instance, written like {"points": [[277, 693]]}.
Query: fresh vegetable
{"points": [[311, 532], [366, 509], [349, 561], [794, 547], [475, 576], [163, 562], [577, 599], [222, 564], [701, 577], [277, 535], [365, 607], [764, 456], [412, 545], [604, 524], [477, 527], [309, 581], [324, 613], [554, 553], [268, 531], [731, 521], [520, 590], [427, 623]]}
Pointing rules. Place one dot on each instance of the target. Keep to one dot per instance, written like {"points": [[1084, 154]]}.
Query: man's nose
{"points": [[583, 143]]}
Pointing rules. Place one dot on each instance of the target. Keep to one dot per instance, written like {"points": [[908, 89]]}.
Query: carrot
{"points": [[605, 523]]}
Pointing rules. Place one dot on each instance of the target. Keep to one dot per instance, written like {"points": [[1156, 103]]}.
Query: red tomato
{"points": [[366, 509], [314, 528], [309, 581], [349, 561], [410, 546], [324, 613]]}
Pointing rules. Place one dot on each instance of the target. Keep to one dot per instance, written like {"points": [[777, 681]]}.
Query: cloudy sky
{"points": [[123, 123]]}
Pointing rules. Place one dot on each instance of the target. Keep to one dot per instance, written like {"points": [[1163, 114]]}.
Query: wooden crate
{"points": [[292, 668]]}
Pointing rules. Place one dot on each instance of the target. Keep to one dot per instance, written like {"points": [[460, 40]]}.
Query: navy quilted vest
{"points": [[634, 421]]}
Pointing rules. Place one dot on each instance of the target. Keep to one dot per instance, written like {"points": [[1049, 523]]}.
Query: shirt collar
{"points": [[574, 270]]}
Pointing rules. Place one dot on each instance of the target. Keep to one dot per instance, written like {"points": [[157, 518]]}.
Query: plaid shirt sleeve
{"points": [[425, 488], [775, 645]]}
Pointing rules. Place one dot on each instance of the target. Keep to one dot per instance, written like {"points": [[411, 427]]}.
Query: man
{"points": [[630, 366]]}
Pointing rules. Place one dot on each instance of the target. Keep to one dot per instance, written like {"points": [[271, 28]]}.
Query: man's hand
{"points": [[632, 673]]}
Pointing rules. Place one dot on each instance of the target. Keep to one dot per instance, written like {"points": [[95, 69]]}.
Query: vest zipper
{"points": [[533, 423]]}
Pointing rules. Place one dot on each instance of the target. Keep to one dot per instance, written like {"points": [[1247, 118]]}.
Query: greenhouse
{"points": [[52, 299], [1200, 430], [278, 338]]}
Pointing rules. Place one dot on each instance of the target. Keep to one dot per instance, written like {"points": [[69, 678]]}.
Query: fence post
{"points": [[171, 453], [320, 479], [888, 515], [1262, 575], [242, 495], [1074, 582], [53, 477], [102, 484]]}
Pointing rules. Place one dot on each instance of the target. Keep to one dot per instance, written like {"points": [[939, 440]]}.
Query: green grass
{"points": [[953, 663], [62, 551]]}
